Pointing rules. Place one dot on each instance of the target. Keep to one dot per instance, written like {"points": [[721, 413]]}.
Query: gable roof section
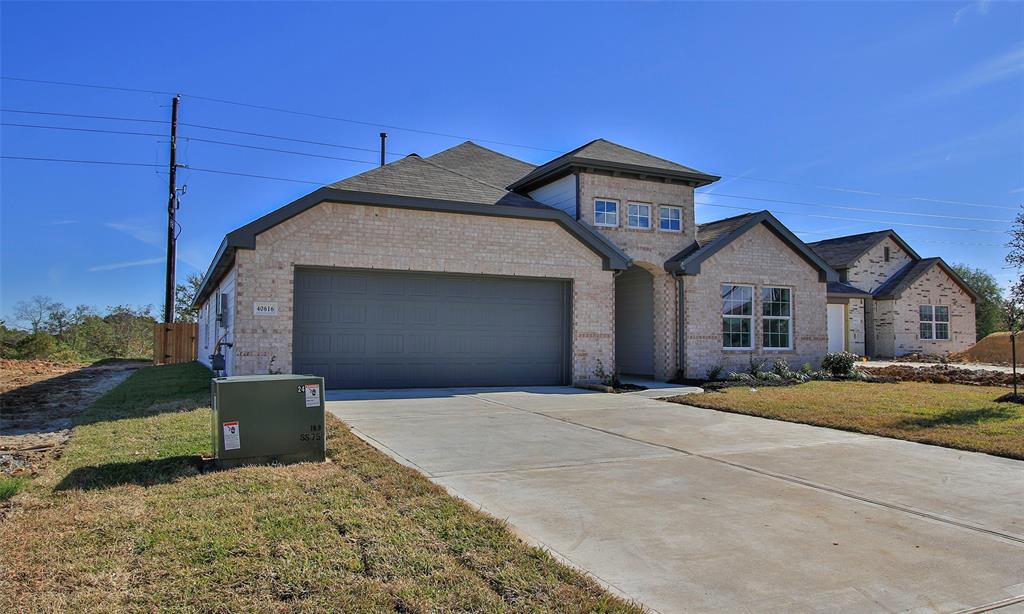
{"points": [[840, 289], [713, 236], [412, 183], [843, 252], [483, 164], [894, 287], [415, 177], [605, 155]]}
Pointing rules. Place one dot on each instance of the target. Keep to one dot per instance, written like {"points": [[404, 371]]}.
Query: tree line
{"points": [[50, 330]]}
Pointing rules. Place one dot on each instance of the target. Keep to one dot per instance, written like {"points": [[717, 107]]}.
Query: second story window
{"points": [[639, 216], [670, 219], [606, 213]]}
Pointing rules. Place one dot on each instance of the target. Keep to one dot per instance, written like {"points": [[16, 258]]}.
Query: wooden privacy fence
{"points": [[174, 343]]}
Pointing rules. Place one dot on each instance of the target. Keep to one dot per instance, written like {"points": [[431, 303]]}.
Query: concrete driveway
{"points": [[686, 509]]}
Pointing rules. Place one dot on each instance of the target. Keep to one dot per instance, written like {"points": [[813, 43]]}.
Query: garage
{"points": [[382, 329]]}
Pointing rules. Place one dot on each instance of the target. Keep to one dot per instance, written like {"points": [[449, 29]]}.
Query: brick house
{"points": [[900, 303], [469, 267]]}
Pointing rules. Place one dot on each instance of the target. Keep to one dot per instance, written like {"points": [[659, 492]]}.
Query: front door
{"points": [[836, 327]]}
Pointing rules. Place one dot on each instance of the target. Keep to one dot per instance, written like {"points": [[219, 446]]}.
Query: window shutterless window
{"points": [[638, 216], [934, 322], [777, 318], [737, 317], [670, 219], [606, 213]]}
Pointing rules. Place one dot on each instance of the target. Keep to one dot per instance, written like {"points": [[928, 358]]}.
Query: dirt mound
{"points": [[941, 374], [994, 349]]}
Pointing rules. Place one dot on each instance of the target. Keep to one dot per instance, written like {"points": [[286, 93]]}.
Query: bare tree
{"points": [[34, 311], [58, 319]]}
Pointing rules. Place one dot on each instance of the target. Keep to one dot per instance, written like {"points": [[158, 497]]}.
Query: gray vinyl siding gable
{"points": [[559, 194]]}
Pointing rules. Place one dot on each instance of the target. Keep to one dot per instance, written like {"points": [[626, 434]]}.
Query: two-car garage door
{"points": [[376, 329]]}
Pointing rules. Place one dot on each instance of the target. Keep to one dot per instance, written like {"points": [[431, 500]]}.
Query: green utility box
{"points": [[268, 419]]}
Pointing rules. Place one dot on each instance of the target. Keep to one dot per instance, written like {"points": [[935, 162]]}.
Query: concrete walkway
{"points": [[687, 509]]}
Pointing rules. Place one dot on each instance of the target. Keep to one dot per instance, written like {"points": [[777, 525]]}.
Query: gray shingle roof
{"points": [[713, 236], [481, 163], [601, 152], [843, 252], [844, 289], [413, 176], [911, 272]]}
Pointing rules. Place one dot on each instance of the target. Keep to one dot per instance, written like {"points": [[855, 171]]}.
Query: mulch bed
{"points": [[941, 374]]}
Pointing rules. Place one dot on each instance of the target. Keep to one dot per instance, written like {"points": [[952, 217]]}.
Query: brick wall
{"points": [[871, 270], [856, 326], [649, 248], [358, 236], [933, 288], [757, 258]]}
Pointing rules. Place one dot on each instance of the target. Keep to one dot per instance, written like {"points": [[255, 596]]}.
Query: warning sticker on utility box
{"points": [[312, 395], [232, 440]]}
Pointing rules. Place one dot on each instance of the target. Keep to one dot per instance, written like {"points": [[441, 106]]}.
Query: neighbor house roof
{"points": [[713, 236], [481, 163], [414, 183], [605, 155], [894, 287], [843, 252]]}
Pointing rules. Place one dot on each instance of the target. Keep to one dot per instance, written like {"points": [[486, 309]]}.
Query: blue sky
{"points": [[905, 103]]}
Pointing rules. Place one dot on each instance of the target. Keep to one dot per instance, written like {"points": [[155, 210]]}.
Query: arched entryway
{"points": [[634, 322]]}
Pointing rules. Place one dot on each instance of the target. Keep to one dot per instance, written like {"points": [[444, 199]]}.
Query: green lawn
{"points": [[127, 520], [952, 415]]}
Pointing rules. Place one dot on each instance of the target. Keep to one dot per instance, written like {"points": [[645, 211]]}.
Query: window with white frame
{"points": [[737, 317], [670, 219], [934, 325], [638, 215], [777, 318], [606, 212]]}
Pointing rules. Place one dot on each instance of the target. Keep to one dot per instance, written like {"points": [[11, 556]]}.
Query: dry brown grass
{"points": [[952, 415], [127, 521]]}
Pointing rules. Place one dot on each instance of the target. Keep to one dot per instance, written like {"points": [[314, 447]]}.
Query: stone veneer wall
{"points": [[358, 236], [871, 270], [757, 258], [933, 288], [648, 248]]}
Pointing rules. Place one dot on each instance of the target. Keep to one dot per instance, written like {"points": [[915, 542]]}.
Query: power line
{"points": [[319, 116], [285, 151], [240, 174], [112, 117], [32, 159], [867, 192], [847, 208], [151, 165], [281, 110], [191, 125], [853, 219], [191, 138]]}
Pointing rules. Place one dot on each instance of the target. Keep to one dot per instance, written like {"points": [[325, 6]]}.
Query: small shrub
{"points": [[10, 486], [741, 377], [839, 364], [756, 365], [781, 368], [607, 378], [713, 373], [806, 369], [38, 345]]}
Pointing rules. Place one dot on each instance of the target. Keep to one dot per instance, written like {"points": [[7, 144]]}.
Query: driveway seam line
{"points": [[788, 478], [625, 459]]}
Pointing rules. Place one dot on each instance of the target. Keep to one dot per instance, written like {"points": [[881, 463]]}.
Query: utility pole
{"points": [[383, 137], [172, 207]]}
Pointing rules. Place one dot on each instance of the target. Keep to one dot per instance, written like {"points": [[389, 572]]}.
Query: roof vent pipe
{"points": [[383, 138]]}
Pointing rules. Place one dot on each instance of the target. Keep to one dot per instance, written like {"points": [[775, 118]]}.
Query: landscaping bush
{"points": [[839, 364], [713, 373], [38, 345]]}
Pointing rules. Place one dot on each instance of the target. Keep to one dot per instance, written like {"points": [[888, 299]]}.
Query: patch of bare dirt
{"points": [[941, 374], [38, 402]]}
